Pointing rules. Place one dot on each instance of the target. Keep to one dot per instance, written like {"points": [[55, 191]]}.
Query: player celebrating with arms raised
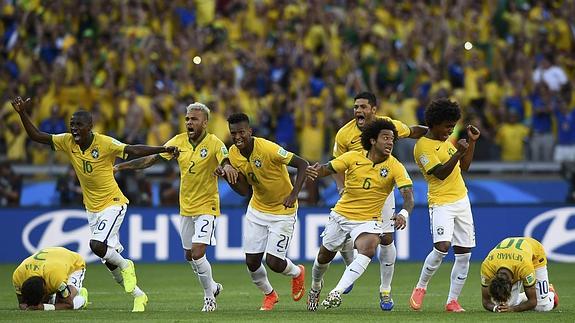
{"points": [[369, 179], [200, 155], [348, 138], [449, 208], [272, 212], [513, 264], [92, 155]]}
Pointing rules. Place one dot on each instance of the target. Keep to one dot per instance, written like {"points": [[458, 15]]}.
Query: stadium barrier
{"points": [[151, 235]]}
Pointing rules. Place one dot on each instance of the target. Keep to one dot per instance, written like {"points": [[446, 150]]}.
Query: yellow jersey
{"points": [[521, 255], [267, 173], [429, 154], [348, 138], [198, 184], [94, 168], [367, 185], [54, 264]]}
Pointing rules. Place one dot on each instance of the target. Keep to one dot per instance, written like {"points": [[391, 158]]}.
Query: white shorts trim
{"points": [[105, 225], [387, 212], [268, 233], [454, 223], [76, 279], [197, 229], [339, 229]]}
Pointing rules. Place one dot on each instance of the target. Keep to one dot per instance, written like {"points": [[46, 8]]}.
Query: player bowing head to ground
{"points": [[201, 154], [272, 211], [92, 155], [369, 178], [51, 279], [348, 138], [517, 263], [449, 209]]}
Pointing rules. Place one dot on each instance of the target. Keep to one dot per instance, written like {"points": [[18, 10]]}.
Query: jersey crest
{"points": [[95, 153], [204, 152], [258, 163], [384, 172]]}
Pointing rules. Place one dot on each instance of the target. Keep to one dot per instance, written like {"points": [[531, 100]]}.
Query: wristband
{"points": [[404, 213], [49, 307], [496, 309]]}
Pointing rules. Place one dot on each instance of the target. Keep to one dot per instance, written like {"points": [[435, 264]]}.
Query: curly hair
{"points": [[370, 97], [440, 110], [500, 289], [33, 290], [238, 117], [373, 129]]}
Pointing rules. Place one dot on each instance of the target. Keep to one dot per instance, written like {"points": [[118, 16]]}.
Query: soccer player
{"points": [[51, 279], [201, 153], [449, 209], [513, 264], [272, 211], [348, 139], [369, 179], [92, 155]]}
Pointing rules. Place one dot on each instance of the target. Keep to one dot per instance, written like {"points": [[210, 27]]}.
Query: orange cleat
{"points": [[269, 301], [298, 285], [556, 297], [416, 299], [454, 306]]}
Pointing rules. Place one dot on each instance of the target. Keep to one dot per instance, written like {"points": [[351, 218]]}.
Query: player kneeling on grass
{"points": [[515, 264], [51, 279], [369, 179]]}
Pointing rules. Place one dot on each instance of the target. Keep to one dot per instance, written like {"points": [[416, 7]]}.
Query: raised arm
{"points": [[442, 171], [301, 166], [417, 131], [36, 135], [473, 134], [316, 170], [140, 163], [143, 150]]}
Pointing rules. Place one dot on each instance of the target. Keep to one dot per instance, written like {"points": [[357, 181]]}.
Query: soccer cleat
{"points": [[219, 289], [556, 297], [454, 306], [416, 299], [385, 301], [333, 300], [210, 305], [269, 301], [140, 303], [298, 285], [313, 299], [348, 289], [129, 276], [84, 293]]}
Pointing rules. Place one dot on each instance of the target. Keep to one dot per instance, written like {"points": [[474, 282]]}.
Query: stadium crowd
{"points": [[131, 63]]}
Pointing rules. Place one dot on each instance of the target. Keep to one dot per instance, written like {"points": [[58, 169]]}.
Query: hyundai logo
{"points": [[557, 234], [53, 234]]}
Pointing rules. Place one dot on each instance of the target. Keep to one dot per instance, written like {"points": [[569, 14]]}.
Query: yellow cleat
{"points": [[84, 293], [140, 303], [129, 276]]}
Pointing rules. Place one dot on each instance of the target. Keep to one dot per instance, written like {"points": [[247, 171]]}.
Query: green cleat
{"points": [[129, 276], [84, 293], [140, 303]]}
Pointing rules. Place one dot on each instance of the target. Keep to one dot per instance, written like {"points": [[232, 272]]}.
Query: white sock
{"points": [[352, 272], [260, 278], [114, 258], [117, 274], [78, 301], [317, 272], [291, 270], [387, 254], [458, 275], [203, 269], [546, 304], [430, 266]]}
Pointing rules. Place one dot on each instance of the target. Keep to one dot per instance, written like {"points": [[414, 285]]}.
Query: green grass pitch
{"points": [[175, 295]]}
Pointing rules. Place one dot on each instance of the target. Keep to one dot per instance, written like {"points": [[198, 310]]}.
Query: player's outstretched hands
{"points": [[473, 133], [312, 171], [20, 104], [400, 222], [174, 151], [503, 307], [290, 200], [462, 146], [228, 172]]}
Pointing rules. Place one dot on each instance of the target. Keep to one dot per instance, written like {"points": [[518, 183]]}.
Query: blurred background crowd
{"points": [[293, 67]]}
